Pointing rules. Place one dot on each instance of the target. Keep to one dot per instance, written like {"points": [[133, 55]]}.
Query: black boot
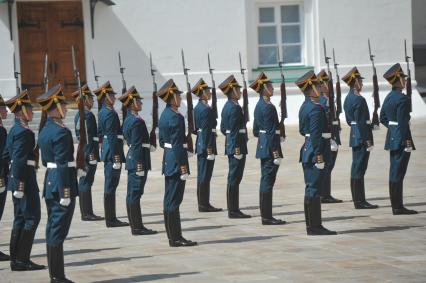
{"points": [[110, 216], [234, 203], [13, 245], [135, 220], [25, 244], [359, 192], [326, 193], [4, 257], [353, 190], [398, 203], [266, 210], [55, 260], [86, 207], [314, 226], [203, 194], [175, 231]]}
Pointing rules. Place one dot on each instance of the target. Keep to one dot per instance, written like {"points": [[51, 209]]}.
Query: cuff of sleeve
{"points": [[67, 193]]}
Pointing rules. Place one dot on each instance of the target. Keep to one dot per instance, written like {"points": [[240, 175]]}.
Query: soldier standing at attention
{"points": [[91, 154], [312, 125], [233, 128], [175, 162], [138, 160], [361, 136], [331, 147], [4, 166], [395, 115], [266, 129], [22, 183], [205, 123], [112, 154], [60, 183]]}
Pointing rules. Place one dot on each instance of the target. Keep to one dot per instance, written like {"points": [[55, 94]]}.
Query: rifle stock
{"points": [[331, 102], [408, 84], [283, 103], [375, 120], [190, 108]]}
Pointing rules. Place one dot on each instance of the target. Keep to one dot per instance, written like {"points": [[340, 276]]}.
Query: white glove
{"points": [[81, 173], [140, 173], [2, 189], [408, 149], [333, 145], [238, 156], [210, 157], [190, 154], [65, 201], [116, 166], [277, 161], [183, 177], [282, 139], [320, 166], [370, 148], [152, 148], [18, 194], [93, 162]]}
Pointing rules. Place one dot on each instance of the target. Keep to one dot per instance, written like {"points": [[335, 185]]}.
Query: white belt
{"points": [[393, 123], [147, 145], [324, 135], [200, 130], [277, 132], [169, 145], [353, 123], [368, 122], [29, 162], [241, 131], [120, 137], [336, 123], [52, 165], [95, 139]]}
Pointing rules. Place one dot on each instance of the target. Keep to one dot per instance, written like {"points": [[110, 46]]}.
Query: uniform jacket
{"points": [[92, 146], [205, 124], [109, 128], [4, 154], [233, 127], [325, 103]]}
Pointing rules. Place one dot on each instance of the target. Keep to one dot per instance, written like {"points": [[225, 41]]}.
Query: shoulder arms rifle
{"points": [[81, 165], [124, 89], [214, 97], [283, 103], [408, 84], [16, 75], [338, 92], [191, 126], [376, 97], [330, 87], [97, 82], [152, 134], [43, 117], [245, 95]]}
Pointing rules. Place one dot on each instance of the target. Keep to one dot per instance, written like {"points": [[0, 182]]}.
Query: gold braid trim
{"points": [[260, 83]]}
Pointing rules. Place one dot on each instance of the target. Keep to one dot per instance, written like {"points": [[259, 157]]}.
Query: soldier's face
{"points": [[137, 105], [236, 93], [3, 112], [324, 88], [29, 113], [358, 84], [111, 98], [207, 95], [269, 89], [89, 102], [177, 99]]}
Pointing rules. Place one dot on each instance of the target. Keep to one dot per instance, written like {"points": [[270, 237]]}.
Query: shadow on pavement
{"points": [[80, 251], [182, 220], [378, 229], [199, 228], [148, 277], [240, 240], [103, 260]]}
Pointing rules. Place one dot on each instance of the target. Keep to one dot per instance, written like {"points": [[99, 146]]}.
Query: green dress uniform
{"points": [[268, 150], [175, 163], [22, 182], [60, 182], [395, 116], [233, 128], [138, 161], [313, 126], [205, 146], [4, 170], [360, 140], [91, 157], [112, 154]]}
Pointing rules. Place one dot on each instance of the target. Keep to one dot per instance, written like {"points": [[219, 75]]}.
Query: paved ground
{"points": [[371, 246]]}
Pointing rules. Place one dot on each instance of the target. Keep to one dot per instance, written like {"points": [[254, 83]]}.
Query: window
{"points": [[280, 27]]}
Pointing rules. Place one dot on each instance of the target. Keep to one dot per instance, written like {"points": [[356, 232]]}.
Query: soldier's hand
{"points": [[152, 148], [81, 173], [320, 166], [116, 166], [408, 149], [2, 189], [190, 154], [333, 145], [93, 162], [277, 161], [282, 139], [238, 156], [370, 148], [140, 173], [65, 201], [18, 194], [183, 177], [210, 157]]}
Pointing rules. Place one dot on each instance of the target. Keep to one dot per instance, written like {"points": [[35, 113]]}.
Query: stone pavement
{"points": [[371, 246]]}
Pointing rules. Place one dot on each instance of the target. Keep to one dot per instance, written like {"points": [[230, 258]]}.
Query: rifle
{"points": [[16, 74], [124, 89], [43, 117], [283, 103], [97, 82], [338, 92], [332, 115], [408, 84], [152, 134], [245, 95], [81, 165], [376, 97], [214, 97], [191, 125]]}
